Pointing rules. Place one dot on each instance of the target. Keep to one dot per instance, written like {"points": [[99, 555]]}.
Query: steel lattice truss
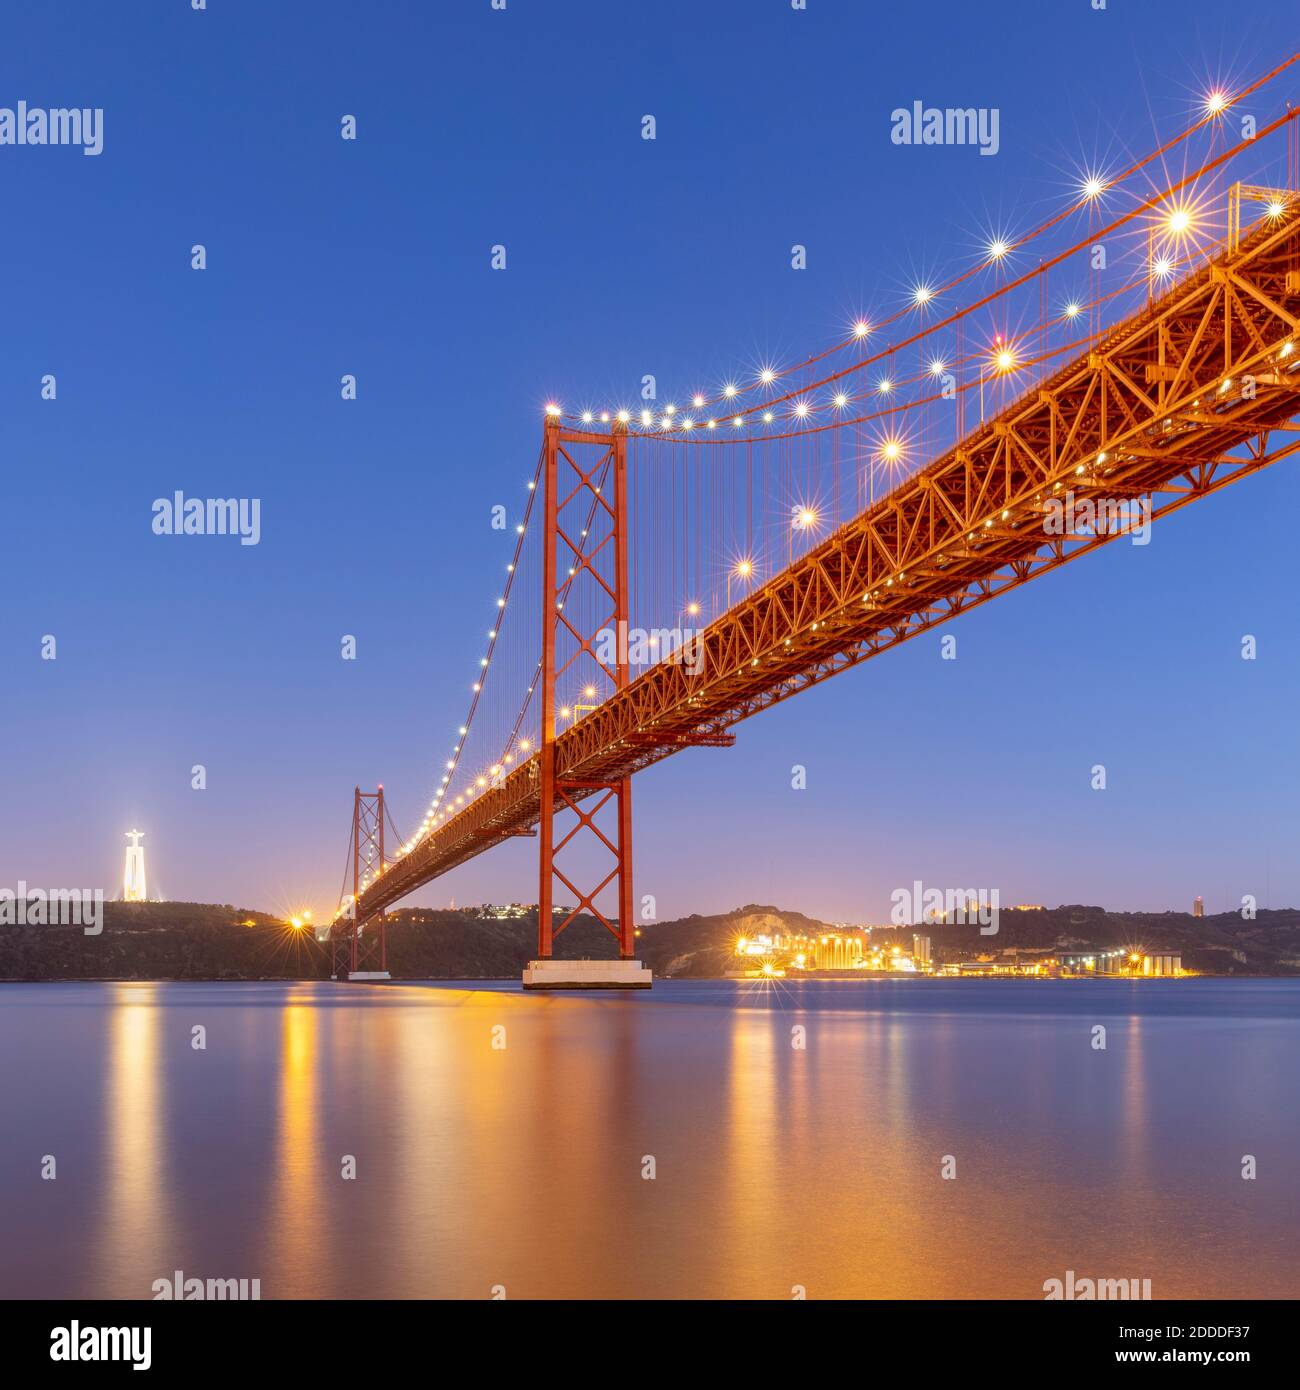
{"points": [[1175, 403]]}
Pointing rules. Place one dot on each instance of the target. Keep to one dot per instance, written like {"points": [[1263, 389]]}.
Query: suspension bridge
{"points": [[679, 567]]}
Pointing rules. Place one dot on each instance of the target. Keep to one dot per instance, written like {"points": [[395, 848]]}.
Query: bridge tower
{"points": [[360, 952], [584, 615]]}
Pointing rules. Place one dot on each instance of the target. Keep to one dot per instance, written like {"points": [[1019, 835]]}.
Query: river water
{"points": [[502, 1141]]}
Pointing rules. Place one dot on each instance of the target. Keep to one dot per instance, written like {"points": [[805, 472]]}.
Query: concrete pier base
{"points": [[369, 975], [587, 974]]}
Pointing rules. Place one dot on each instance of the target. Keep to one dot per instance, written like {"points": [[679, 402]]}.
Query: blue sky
{"points": [[523, 127]]}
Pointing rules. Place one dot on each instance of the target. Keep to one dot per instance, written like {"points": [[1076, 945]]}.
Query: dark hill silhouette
{"points": [[202, 941]]}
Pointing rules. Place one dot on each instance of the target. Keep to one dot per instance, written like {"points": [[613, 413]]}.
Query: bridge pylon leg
{"points": [[584, 614]]}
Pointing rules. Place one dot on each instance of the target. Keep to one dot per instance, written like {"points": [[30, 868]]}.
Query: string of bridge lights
{"points": [[1002, 357], [1005, 357], [435, 812], [1179, 222]]}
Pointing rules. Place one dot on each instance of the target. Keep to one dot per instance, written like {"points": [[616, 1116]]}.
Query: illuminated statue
{"points": [[133, 890]]}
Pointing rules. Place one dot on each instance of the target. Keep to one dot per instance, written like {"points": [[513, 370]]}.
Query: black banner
{"points": [[171, 1339]]}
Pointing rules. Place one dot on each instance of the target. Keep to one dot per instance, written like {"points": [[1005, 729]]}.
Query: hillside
{"points": [[201, 941]]}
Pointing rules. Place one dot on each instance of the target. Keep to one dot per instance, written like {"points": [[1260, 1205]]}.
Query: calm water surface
{"points": [[479, 1166]]}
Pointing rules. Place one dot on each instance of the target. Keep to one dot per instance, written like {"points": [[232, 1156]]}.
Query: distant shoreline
{"points": [[176, 942], [804, 979]]}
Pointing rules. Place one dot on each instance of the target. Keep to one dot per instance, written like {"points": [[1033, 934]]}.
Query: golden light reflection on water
{"points": [[524, 1165], [296, 1237], [456, 1132], [137, 1207], [749, 1177]]}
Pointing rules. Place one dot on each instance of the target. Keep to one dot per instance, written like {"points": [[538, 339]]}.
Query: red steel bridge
{"points": [[680, 566]]}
